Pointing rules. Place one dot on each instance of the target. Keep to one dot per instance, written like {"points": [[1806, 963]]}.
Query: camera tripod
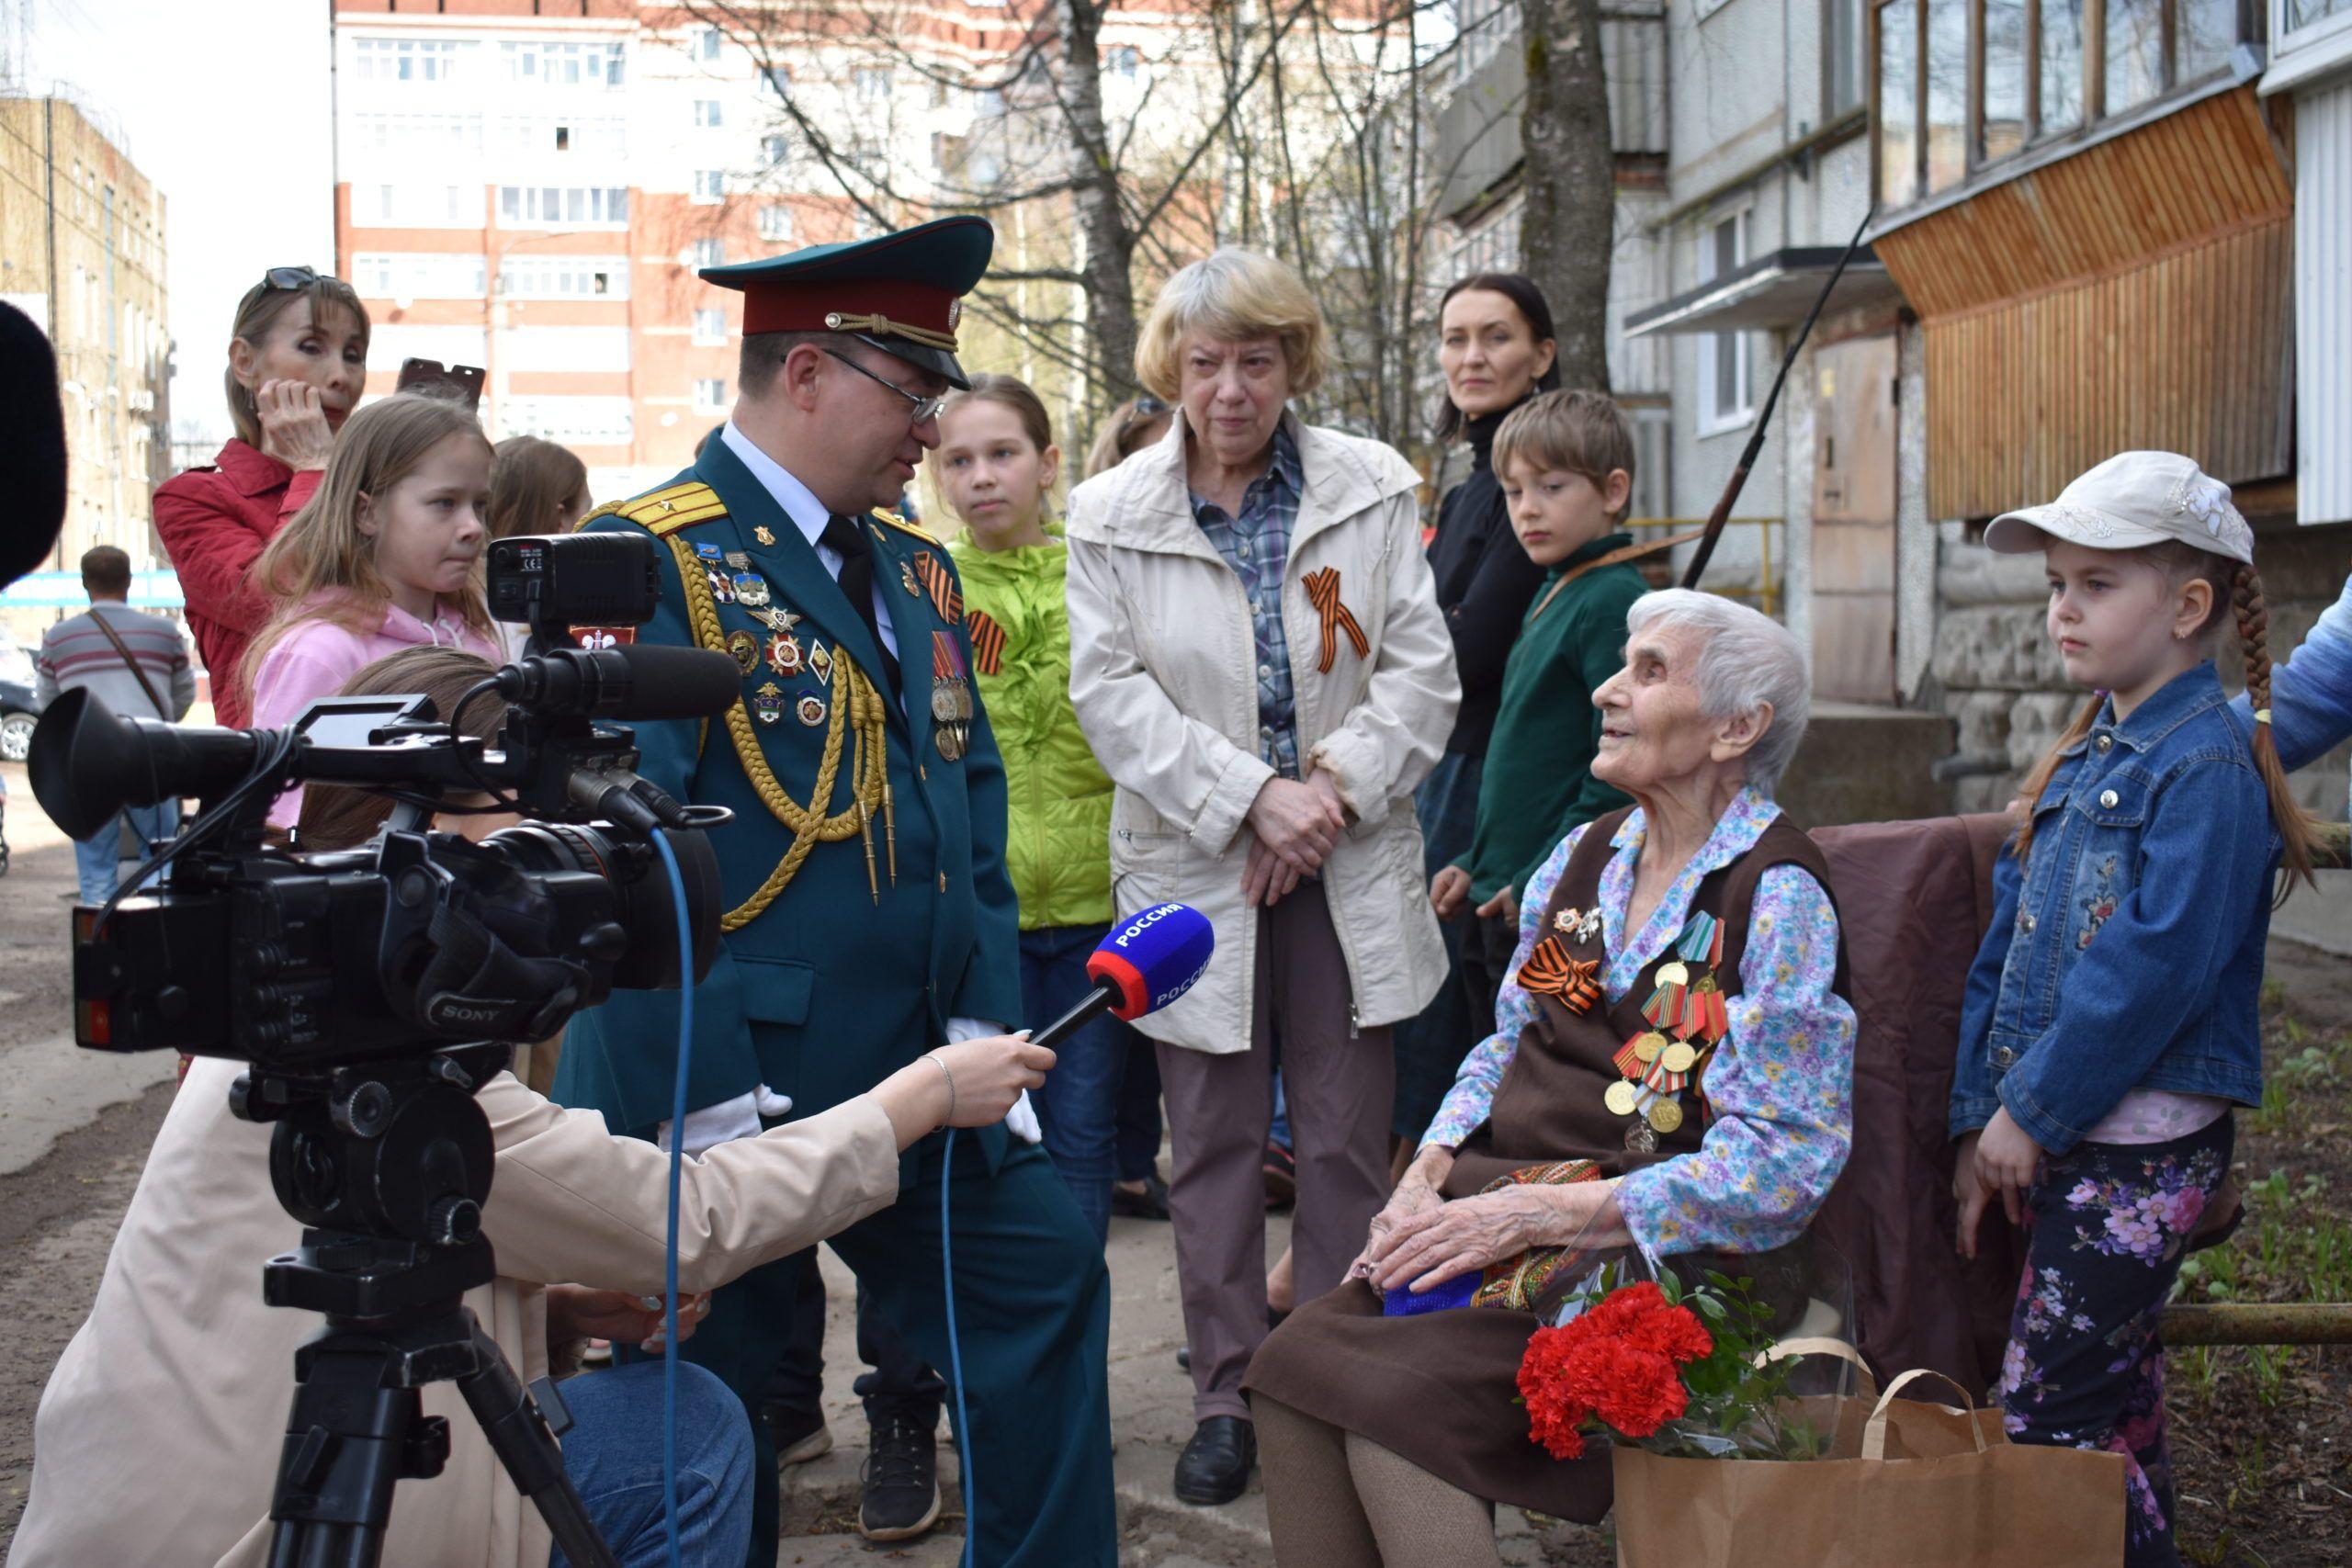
{"points": [[388, 1163]]}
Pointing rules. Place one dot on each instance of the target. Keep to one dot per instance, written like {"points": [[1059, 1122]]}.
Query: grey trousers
{"points": [[1341, 1088]]}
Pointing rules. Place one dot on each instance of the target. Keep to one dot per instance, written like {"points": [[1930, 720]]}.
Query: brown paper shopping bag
{"points": [[1912, 1485]]}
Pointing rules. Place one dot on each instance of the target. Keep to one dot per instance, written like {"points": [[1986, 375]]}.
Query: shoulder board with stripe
{"points": [[663, 512], [891, 519]]}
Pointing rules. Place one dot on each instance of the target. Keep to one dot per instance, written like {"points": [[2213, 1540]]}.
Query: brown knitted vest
{"points": [[1550, 1106]]}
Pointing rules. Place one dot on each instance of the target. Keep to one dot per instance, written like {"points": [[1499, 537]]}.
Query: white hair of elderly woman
{"points": [[1745, 659]]}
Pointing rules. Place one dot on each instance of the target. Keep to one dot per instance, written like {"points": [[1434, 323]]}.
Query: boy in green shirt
{"points": [[1565, 460]]}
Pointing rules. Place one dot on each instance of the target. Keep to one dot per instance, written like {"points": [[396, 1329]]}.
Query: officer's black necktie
{"points": [[848, 541]]}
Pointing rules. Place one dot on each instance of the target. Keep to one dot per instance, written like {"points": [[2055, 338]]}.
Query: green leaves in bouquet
{"points": [[1738, 1408]]}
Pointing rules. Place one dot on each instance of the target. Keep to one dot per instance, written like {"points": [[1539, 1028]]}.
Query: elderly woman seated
{"points": [[1676, 1019]]}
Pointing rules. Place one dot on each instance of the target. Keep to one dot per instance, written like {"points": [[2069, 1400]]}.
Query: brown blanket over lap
{"points": [[1914, 898]]}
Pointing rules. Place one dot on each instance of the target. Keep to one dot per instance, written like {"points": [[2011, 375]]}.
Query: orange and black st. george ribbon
{"points": [[1549, 970], [941, 585], [988, 641], [1323, 592]]}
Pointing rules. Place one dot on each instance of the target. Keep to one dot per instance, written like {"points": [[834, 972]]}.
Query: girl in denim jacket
{"points": [[2109, 1025]]}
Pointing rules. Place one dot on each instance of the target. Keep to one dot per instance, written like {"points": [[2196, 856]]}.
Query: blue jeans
{"points": [[93, 857], [1078, 1107], [612, 1456]]}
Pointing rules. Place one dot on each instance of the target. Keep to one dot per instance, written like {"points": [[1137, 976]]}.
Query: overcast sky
{"points": [[223, 104]]}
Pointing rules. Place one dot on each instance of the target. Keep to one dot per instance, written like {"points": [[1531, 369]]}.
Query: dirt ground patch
{"points": [[2262, 1437]]}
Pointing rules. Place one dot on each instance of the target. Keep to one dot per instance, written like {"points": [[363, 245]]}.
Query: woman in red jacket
{"points": [[297, 360]]}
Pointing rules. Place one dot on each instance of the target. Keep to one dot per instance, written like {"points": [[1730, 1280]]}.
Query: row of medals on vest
{"points": [[732, 581], [1688, 1017]]}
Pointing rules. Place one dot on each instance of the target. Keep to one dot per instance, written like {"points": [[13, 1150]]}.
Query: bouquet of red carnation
{"points": [[1619, 1362], [1675, 1369]]}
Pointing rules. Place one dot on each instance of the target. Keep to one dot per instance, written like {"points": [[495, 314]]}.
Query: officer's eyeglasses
{"points": [[925, 408], [290, 278]]}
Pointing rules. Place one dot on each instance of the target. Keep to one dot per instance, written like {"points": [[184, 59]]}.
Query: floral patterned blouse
{"points": [[1781, 1083]]}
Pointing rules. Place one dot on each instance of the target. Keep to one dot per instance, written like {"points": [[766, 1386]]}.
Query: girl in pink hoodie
{"points": [[383, 559]]}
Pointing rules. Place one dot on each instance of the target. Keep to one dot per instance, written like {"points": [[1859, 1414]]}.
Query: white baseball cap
{"points": [[2133, 499]]}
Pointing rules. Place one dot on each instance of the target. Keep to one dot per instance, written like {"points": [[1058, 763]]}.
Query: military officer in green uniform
{"points": [[868, 913]]}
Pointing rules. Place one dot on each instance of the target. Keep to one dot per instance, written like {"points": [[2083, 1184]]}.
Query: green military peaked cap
{"points": [[902, 293]]}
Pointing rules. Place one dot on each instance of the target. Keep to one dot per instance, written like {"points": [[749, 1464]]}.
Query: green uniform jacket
{"points": [[1058, 842], [829, 988], [1538, 783]]}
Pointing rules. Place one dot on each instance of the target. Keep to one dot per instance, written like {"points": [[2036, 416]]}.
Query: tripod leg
{"points": [[519, 1435], [352, 1433]]}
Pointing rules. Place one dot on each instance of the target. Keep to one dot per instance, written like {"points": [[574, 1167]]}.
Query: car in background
{"points": [[16, 660], [19, 710]]}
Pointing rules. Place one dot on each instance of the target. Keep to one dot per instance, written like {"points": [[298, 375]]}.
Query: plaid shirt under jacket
{"points": [[1255, 544]]}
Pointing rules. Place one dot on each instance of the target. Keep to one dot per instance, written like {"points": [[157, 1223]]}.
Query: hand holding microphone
{"points": [[1143, 964]]}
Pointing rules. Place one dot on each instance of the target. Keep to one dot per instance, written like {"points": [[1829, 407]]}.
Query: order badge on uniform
{"points": [[767, 703], [951, 697], [785, 656], [722, 587], [751, 589], [744, 649], [820, 661]]}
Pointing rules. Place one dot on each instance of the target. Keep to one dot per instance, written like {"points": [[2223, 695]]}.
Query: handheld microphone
{"points": [[1147, 962], [643, 683]]}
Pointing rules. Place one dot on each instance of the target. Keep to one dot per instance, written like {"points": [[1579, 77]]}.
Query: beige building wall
{"points": [[82, 253]]}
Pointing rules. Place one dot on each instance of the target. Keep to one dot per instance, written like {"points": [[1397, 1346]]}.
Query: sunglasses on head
{"points": [[291, 277]]}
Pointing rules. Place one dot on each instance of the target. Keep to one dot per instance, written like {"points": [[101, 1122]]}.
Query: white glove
{"points": [[726, 1121], [1022, 1120]]}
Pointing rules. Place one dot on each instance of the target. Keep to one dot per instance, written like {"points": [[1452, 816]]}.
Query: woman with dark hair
{"points": [[297, 362], [1494, 346]]}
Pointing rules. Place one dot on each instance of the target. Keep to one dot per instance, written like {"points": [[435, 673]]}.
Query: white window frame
{"points": [[1714, 419], [778, 222], [570, 420], [2287, 43], [418, 275], [710, 186], [710, 394], [708, 41], [543, 277], [381, 207], [709, 114], [526, 197], [710, 325], [707, 251], [871, 83]]}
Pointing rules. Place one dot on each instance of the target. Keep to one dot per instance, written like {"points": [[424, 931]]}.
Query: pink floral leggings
{"points": [[2108, 1225]]}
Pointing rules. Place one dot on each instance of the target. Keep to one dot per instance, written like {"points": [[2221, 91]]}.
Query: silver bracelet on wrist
{"points": [[933, 1059]]}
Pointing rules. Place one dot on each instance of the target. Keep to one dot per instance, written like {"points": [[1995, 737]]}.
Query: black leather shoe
{"points": [[1214, 1467], [901, 1481], [1150, 1203]]}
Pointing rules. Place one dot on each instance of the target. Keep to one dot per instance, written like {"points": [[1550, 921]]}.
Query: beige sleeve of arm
{"points": [[574, 1204]]}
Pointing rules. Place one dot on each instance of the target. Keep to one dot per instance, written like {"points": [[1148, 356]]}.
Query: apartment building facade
{"points": [[531, 187], [82, 254]]}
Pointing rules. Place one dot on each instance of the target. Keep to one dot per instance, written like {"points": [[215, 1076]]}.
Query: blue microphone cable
{"points": [[677, 1168], [955, 1358]]}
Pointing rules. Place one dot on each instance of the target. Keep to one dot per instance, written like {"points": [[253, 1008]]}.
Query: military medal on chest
{"points": [[820, 661], [751, 589], [951, 697], [744, 649], [783, 654], [767, 703], [1655, 1066]]}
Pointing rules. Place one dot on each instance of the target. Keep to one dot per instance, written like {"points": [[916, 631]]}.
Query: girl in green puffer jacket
{"points": [[995, 467]]}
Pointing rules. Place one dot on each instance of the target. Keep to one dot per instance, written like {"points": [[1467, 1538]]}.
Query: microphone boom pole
{"points": [[1738, 482]]}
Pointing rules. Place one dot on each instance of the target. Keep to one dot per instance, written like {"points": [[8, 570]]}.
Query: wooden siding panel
{"points": [[2190, 353], [2138, 294]]}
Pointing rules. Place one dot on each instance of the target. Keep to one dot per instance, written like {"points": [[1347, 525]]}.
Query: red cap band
{"points": [[803, 307]]}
